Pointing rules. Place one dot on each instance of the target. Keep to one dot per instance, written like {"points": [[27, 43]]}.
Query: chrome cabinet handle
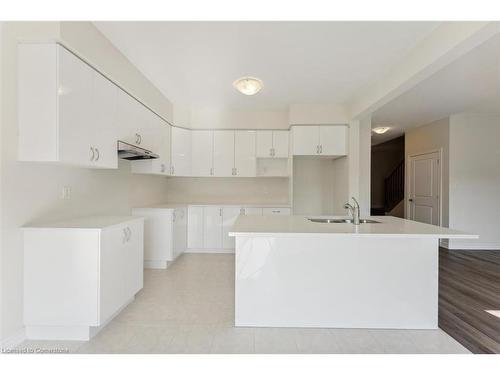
{"points": [[211, 171], [173, 216], [270, 152], [129, 234], [140, 139], [98, 154], [93, 153], [410, 200], [320, 149], [317, 149], [235, 171], [172, 170], [125, 235], [220, 211]]}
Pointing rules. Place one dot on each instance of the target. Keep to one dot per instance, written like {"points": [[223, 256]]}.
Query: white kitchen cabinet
{"points": [[251, 211], [160, 166], [229, 216], [272, 143], [66, 109], [202, 153], [324, 140], [276, 211], [195, 227], [223, 153], [212, 227], [244, 153], [165, 234], [333, 140], [181, 152], [79, 273]]}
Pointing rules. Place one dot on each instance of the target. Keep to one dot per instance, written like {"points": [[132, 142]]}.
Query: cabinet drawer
{"points": [[276, 211]]}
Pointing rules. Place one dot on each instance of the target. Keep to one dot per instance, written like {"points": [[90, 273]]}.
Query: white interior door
{"points": [[424, 188]]}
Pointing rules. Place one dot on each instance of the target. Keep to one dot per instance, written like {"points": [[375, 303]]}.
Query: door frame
{"points": [[408, 176]]}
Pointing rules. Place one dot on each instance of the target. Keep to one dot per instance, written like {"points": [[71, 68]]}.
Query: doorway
{"points": [[424, 187]]}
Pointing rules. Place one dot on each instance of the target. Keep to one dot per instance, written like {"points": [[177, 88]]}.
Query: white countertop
{"points": [[299, 226], [87, 222]]}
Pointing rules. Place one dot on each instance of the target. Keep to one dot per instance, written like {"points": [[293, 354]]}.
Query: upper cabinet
{"points": [[223, 153], [202, 153], [244, 153], [324, 140], [272, 143], [66, 109], [162, 165], [181, 152]]}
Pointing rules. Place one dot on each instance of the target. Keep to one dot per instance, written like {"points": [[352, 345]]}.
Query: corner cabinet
{"points": [[165, 234], [66, 109], [79, 274], [319, 140]]}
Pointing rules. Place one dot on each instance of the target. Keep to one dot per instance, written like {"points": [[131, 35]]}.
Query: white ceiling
{"points": [[195, 63], [470, 83]]}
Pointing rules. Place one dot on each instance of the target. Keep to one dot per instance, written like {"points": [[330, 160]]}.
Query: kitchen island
{"points": [[293, 272]]}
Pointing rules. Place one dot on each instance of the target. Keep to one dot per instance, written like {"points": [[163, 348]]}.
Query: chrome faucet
{"points": [[354, 210]]}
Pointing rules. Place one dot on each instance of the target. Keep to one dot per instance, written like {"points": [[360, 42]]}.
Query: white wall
{"points": [[319, 186], [206, 118], [269, 190], [431, 137], [474, 196], [305, 114], [32, 191]]}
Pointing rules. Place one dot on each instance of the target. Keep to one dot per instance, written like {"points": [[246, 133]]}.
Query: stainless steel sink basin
{"points": [[342, 221]]}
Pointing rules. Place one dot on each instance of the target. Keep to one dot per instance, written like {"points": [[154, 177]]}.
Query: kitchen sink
{"points": [[342, 221]]}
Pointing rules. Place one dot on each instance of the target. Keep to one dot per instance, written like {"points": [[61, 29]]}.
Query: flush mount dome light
{"points": [[248, 85], [381, 129]]}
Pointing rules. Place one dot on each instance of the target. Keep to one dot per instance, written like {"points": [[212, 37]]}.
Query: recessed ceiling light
{"points": [[248, 85], [381, 129]]}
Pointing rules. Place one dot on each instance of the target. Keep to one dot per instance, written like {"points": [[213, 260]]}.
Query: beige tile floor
{"points": [[189, 309]]}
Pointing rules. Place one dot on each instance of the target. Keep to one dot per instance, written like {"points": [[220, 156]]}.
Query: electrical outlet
{"points": [[66, 193]]}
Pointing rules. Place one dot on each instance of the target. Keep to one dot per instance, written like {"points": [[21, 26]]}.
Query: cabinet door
{"points": [[333, 140], [305, 140], [102, 127], [253, 211], [112, 271], [181, 152], [195, 227], [75, 108], [280, 143], [276, 211], [128, 117], [229, 216], [223, 153], [264, 143], [179, 231], [134, 258], [202, 153], [212, 227], [244, 154]]}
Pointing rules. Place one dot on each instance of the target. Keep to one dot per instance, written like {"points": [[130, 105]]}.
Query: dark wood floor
{"points": [[469, 284]]}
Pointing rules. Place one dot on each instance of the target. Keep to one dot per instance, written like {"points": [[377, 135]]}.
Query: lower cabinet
{"points": [[165, 234], [79, 274], [208, 226]]}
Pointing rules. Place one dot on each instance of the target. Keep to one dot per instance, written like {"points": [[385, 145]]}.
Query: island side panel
{"points": [[338, 282]]}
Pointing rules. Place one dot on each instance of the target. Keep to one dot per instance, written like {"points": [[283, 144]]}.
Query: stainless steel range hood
{"points": [[131, 152]]}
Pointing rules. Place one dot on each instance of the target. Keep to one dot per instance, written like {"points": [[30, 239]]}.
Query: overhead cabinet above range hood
{"points": [[131, 152]]}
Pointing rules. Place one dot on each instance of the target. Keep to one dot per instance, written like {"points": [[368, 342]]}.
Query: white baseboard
{"points": [[155, 264], [210, 251], [14, 340]]}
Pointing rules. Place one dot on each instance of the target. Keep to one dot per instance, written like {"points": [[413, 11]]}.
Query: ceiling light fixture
{"points": [[381, 129], [248, 85]]}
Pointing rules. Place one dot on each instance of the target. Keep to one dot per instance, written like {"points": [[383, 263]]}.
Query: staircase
{"points": [[394, 187]]}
